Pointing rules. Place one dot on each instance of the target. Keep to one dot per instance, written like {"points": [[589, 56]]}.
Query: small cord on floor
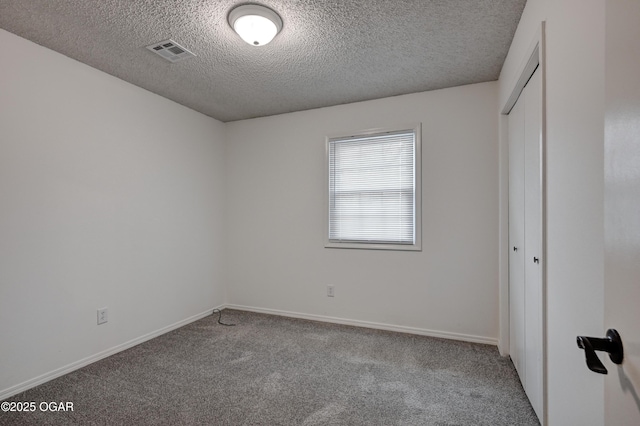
{"points": [[219, 312]]}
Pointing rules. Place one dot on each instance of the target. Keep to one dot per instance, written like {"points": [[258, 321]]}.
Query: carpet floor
{"points": [[270, 370]]}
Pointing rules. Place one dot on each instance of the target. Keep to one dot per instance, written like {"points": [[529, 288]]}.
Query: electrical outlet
{"points": [[330, 291], [103, 316]]}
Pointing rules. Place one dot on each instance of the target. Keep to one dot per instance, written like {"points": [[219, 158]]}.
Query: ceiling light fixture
{"points": [[255, 24]]}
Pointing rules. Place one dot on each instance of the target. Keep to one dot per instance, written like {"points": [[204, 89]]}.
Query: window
{"points": [[373, 190]]}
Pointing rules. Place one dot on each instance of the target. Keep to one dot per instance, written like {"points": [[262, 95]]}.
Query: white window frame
{"points": [[417, 245]]}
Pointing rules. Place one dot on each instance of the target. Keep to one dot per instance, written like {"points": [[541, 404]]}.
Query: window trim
{"points": [[416, 128]]}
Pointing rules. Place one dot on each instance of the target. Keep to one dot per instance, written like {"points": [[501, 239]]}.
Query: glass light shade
{"points": [[255, 24], [255, 30]]}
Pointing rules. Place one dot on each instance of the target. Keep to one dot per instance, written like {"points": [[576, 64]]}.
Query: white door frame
{"points": [[534, 56]]}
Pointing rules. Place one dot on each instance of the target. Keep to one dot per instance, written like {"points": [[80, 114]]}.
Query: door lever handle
{"points": [[612, 344]]}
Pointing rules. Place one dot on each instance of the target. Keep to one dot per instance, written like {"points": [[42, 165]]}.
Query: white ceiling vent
{"points": [[170, 50]]}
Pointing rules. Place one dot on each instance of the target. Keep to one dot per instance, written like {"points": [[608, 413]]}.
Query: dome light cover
{"points": [[255, 24]]}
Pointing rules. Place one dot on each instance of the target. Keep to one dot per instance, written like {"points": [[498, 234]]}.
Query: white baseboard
{"points": [[368, 324], [21, 387]]}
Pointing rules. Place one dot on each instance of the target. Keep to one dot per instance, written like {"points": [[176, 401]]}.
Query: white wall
{"points": [[109, 196], [575, 129], [275, 201]]}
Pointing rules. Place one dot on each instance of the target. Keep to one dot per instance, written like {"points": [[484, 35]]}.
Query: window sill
{"points": [[368, 246]]}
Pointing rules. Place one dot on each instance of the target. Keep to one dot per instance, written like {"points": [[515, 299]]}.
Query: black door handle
{"points": [[612, 344], [515, 248]]}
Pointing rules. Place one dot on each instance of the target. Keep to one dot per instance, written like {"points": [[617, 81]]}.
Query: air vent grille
{"points": [[170, 50]]}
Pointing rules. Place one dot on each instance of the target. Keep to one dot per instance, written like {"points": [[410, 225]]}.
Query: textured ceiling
{"points": [[329, 51]]}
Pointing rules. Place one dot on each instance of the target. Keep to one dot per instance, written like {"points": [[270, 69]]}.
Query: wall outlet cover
{"points": [[103, 316]]}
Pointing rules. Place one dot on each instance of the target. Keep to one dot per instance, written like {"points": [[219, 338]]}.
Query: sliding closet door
{"points": [[525, 238]]}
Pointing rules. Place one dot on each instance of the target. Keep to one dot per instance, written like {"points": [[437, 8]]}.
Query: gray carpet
{"points": [[270, 370]]}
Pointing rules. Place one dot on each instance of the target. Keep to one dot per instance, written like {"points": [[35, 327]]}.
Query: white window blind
{"points": [[372, 188]]}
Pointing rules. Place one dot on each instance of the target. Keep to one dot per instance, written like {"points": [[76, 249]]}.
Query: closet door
{"points": [[516, 237], [533, 241], [525, 238]]}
